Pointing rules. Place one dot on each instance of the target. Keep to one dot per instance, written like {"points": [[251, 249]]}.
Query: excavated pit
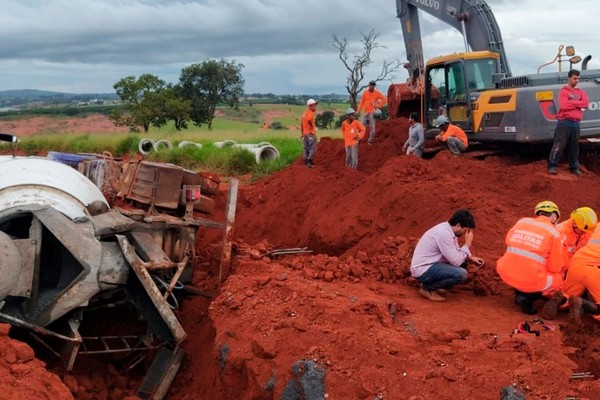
{"points": [[346, 322]]}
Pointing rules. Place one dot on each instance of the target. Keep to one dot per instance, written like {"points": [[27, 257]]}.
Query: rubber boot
{"points": [[550, 309], [525, 300]]}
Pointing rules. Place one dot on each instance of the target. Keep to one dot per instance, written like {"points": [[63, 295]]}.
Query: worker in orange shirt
{"points": [[584, 274], [576, 232], [452, 136], [352, 131], [308, 133], [371, 102], [585, 265], [578, 229], [535, 257]]}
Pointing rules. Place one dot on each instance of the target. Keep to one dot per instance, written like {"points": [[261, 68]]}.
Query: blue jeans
{"points": [[441, 276], [566, 136], [309, 148]]}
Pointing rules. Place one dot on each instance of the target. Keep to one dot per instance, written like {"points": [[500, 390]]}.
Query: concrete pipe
{"points": [[146, 146], [225, 143], [262, 153], [162, 144], [187, 143]]}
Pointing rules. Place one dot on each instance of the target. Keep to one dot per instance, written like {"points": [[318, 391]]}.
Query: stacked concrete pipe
{"points": [[263, 151]]}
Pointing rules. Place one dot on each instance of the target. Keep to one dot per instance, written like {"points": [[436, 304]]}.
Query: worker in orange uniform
{"points": [[308, 133], [535, 257], [576, 232], [578, 229], [371, 102], [452, 136], [584, 274], [352, 131]]}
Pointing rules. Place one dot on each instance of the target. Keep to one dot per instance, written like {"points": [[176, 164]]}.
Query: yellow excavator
{"points": [[475, 88]]}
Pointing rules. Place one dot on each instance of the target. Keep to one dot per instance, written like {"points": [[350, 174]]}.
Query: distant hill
{"points": [[32, 97], [44, 94]]}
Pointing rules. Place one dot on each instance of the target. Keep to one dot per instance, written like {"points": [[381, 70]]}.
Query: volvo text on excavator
{"points": [[475, 88]]}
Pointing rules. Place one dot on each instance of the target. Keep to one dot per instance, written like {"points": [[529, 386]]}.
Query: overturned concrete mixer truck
{"points": [[66, 253]]}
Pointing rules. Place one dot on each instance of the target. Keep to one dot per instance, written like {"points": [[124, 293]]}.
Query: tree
{"points": [[324, 120], [207, 84], [147, 100], [357, 64]]}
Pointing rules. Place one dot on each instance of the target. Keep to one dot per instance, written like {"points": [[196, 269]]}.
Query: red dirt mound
{"points": [[347, 322]]}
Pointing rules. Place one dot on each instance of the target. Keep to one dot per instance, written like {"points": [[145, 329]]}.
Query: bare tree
{"points": [[357, 63]]}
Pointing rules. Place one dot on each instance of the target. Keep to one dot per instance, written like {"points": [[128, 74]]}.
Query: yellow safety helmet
{"points": [[547, 206], [584, 218]]}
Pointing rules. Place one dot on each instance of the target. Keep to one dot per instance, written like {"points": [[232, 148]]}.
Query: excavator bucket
{"points": [[405, 98]]}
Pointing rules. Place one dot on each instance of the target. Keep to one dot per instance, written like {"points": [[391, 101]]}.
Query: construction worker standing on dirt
{"points": [[352, 131], [452, 136], [416, 137], [308, 129], [571, 103], [439, 262], [371, 102], [535, 257]]}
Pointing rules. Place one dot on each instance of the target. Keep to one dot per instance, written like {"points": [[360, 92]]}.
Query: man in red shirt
{"points": [[308, 130], [571, 103], [453, 137]]}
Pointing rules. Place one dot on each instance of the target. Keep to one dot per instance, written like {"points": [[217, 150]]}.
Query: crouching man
{"points": [[535, 257], [439, 261]]}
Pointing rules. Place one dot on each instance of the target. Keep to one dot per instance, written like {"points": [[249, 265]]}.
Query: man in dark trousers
{"points": [[571, 103]]}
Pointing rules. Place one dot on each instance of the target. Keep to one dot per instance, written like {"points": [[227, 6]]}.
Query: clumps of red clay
{"points": [[352, 309], [24, 377]]}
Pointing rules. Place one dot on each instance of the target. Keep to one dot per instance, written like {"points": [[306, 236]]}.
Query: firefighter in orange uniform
{"points": [[576, 232], [535, 257], [584, 274], [578, 229]]}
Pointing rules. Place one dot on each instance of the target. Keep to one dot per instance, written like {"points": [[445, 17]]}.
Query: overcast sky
{"points": [[82, 46]]}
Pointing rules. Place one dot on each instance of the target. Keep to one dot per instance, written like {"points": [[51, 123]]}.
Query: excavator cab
{"points": [[453, 84]]}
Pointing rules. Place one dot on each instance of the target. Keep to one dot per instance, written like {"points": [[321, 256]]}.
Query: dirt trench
{"points": [[345, 322]]}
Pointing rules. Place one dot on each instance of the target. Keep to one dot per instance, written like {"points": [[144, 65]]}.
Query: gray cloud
{"points": [[88, 45]]}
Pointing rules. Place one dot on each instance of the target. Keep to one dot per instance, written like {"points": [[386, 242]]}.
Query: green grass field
{"points": [[242, 126]]}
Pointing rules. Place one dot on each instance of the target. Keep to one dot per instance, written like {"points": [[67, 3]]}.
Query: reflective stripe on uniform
{"points": [[528, 254], [548, 282], [551, 229], [594, 241]]}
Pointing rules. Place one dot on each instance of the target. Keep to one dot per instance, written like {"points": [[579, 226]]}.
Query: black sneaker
{"points": [[526, 303], [576, 172], [552, 171]]}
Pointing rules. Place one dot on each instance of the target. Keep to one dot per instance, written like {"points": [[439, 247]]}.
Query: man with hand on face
{"points": [[439, 262]]}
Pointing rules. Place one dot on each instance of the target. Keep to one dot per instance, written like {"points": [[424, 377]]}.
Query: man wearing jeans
{"points": [[439, 261], [571, 103]]}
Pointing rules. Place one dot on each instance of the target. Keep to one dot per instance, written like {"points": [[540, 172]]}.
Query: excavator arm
{"points": [[473, 18]]}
